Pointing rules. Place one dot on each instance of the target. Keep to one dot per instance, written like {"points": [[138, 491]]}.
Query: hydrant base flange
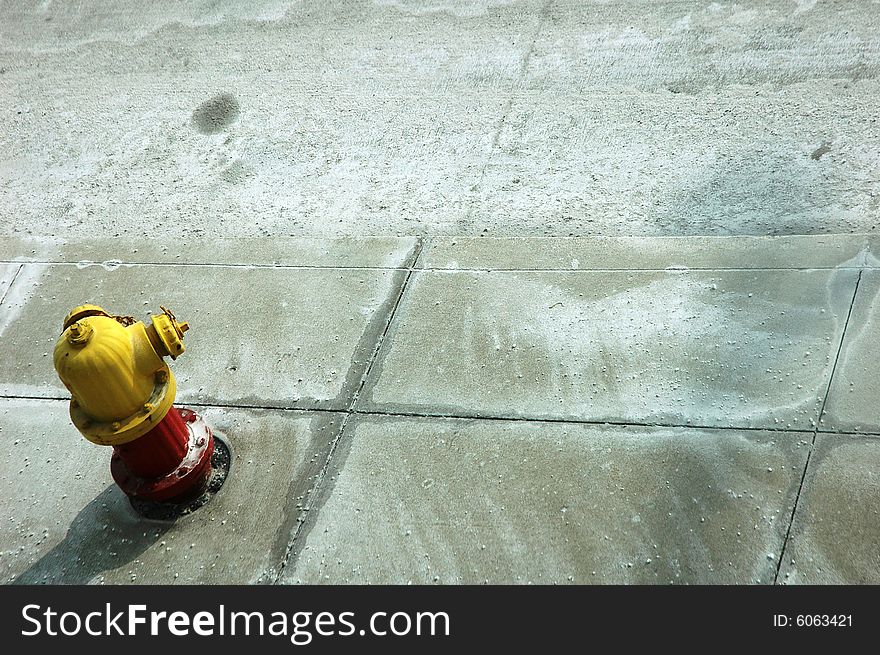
{"points": [[186, 480], [221, 462]]}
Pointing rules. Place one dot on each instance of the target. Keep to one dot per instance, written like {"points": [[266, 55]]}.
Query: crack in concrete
{"points": [[463, 416], [508, 105]]}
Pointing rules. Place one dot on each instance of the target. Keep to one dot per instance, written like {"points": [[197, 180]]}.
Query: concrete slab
{"points": [[853, 399], [260, 336], [724, 348], [731, 161], [651, 253], [837, 525], [70, 524], [454, 501], [363, 252]]}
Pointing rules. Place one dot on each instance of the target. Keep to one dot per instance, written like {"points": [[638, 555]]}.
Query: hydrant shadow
{"points": [[105, 535]]}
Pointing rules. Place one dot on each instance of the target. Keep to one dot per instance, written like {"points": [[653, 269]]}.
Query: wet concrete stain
{"points": [[297, 536], [761, 190], [325, 430], [837, 511], [216, 114], [821, 150], [236, 172], [367, 356]]}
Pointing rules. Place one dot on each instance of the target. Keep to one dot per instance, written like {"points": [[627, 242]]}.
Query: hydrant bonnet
{"points": [[113, 367]]}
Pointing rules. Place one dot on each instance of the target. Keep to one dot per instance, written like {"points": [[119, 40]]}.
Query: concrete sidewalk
{"points": [[436, 117], [648, 410]]}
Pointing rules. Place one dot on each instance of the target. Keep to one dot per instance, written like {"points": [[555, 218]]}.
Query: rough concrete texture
{"points": [[537, 117], [71, 524], [266, 336], [453, 501], [717, 348], [836, 528], [854, 399]]}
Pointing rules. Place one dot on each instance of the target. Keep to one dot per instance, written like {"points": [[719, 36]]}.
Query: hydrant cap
{"points": [[170, 332]]}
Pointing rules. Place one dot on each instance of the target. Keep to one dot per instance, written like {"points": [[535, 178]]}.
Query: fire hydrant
{"points": [[122, 395]]}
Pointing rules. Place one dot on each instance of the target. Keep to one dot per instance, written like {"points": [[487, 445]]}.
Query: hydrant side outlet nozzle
{"points": [[122, 395]]}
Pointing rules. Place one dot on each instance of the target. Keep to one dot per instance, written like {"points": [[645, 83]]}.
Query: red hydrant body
{"points": [[170, 462]]}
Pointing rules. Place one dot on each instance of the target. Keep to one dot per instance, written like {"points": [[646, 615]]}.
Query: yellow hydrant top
{"points": [[113, 367]]}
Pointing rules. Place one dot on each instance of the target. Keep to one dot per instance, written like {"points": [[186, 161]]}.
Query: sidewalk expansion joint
{"points": [[486, 417], [672, 268], [575, 421], [11, 283], [816, 431], [129, 264], [304, 526]]}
